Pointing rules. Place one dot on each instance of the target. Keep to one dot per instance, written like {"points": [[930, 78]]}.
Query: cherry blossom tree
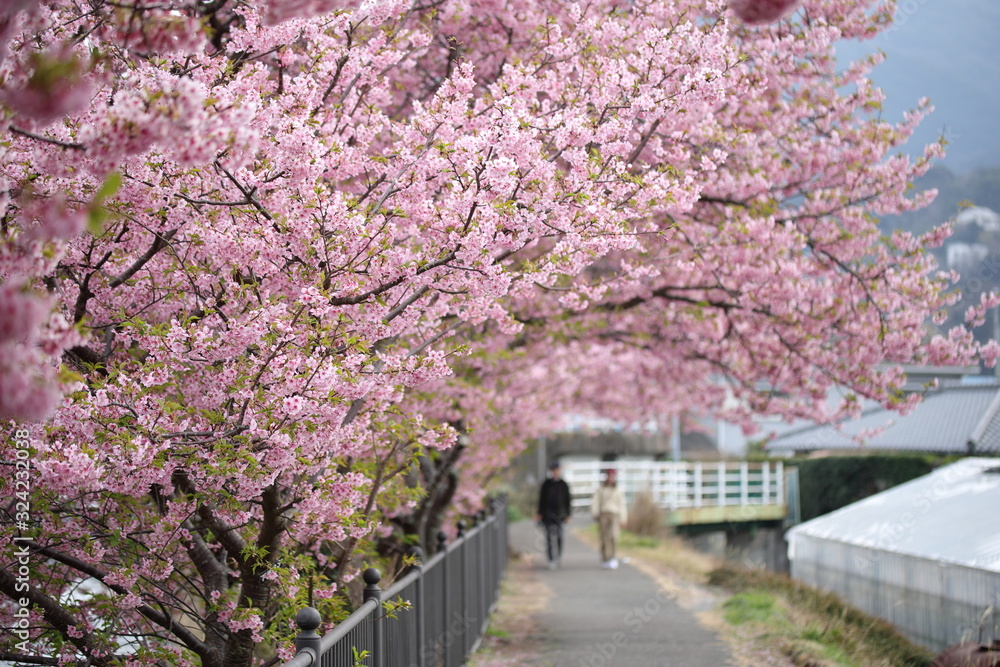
{"points": [[284, 273]]}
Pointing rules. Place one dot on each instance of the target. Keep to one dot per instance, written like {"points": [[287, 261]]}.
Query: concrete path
{"points": [[612, 618]]}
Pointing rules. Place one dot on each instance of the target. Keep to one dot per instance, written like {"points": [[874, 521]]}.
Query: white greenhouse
{"points": [[924, 555]]}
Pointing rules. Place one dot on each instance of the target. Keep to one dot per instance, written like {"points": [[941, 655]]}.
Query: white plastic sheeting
{"points": [[924, 555]]}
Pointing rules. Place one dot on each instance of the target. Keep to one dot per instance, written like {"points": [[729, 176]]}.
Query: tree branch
{"points": [[354, 300], [159, 243], [157, 617], [28, 659], [255, 591], [247, 192], [56, 616], [226, 534], [38, 137]]}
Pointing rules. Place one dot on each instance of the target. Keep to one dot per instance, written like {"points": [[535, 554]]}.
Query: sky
{"points": [[948, 51]]}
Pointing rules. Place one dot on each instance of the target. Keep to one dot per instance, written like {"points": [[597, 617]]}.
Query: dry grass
{"points": [[813, 628], [511, 639], [644, 516]]}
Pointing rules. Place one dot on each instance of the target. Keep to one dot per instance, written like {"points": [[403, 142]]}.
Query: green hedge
{"points": [[829, 483]]}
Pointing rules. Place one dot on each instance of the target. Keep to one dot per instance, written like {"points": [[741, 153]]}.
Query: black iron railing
{"points": [[450, 599]]}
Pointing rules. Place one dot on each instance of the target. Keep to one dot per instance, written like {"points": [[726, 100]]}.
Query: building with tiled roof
{"points": [[953, 419]]}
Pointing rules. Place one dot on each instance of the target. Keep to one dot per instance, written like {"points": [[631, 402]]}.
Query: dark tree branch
{"points": [[159, 243], [56, 616], [157, 617], [354, 300], [255, 591], [38, 137], [225, 533], [27, 659]]}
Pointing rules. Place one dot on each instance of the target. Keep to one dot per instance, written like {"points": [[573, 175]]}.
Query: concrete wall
{"points": [[762, 548], [757, 548]]}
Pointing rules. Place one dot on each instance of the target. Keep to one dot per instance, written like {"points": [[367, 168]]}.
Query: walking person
{"points": [[609, 510], [554, 510]]}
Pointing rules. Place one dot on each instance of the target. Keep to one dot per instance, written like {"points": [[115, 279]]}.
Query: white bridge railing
{"points": [[676, 485]]}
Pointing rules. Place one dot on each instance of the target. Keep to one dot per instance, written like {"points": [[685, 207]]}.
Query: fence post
{"points": [[482, 557], [371, 577], [480, 554], [722, 483], [504, 545], [308, 619], [442, 547], [418, 565], [674, 488], [779, 479], [765, 482], [463, 557], [744, 484], [488, 554], [697, 484]]}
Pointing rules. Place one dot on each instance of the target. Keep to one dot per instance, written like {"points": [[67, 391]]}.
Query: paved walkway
{"points": [[612, 618]]}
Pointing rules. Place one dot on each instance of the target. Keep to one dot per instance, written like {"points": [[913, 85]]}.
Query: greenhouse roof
{"points": [[947, 516]]}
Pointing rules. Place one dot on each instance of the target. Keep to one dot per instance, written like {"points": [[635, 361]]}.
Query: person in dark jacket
{"points": [[553, 511]]}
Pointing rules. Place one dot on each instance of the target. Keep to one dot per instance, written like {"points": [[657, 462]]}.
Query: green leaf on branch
{"points": [[96, 212]]}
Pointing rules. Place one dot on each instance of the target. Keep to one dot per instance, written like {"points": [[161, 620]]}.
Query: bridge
{"points": [[695, 496]]}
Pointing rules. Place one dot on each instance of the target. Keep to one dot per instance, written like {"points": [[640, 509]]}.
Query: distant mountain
{"points": [[979, 187], [976, 230], [946, 50]]}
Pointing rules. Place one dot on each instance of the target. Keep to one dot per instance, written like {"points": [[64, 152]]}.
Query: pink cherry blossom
{"points": [[21, 314], [762, 11]]}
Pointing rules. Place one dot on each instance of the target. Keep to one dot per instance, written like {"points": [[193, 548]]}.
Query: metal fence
{"points": [[450, 597], [932, 602]]}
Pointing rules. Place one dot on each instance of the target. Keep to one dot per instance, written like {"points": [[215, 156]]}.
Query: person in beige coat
{"points": [[609, 510]]}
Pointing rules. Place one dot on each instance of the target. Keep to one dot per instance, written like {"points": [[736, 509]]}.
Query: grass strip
{"points": [[814, 628]]}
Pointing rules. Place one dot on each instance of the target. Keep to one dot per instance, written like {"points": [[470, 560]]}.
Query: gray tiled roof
{"points": [[946, 421], [987, 435]]}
